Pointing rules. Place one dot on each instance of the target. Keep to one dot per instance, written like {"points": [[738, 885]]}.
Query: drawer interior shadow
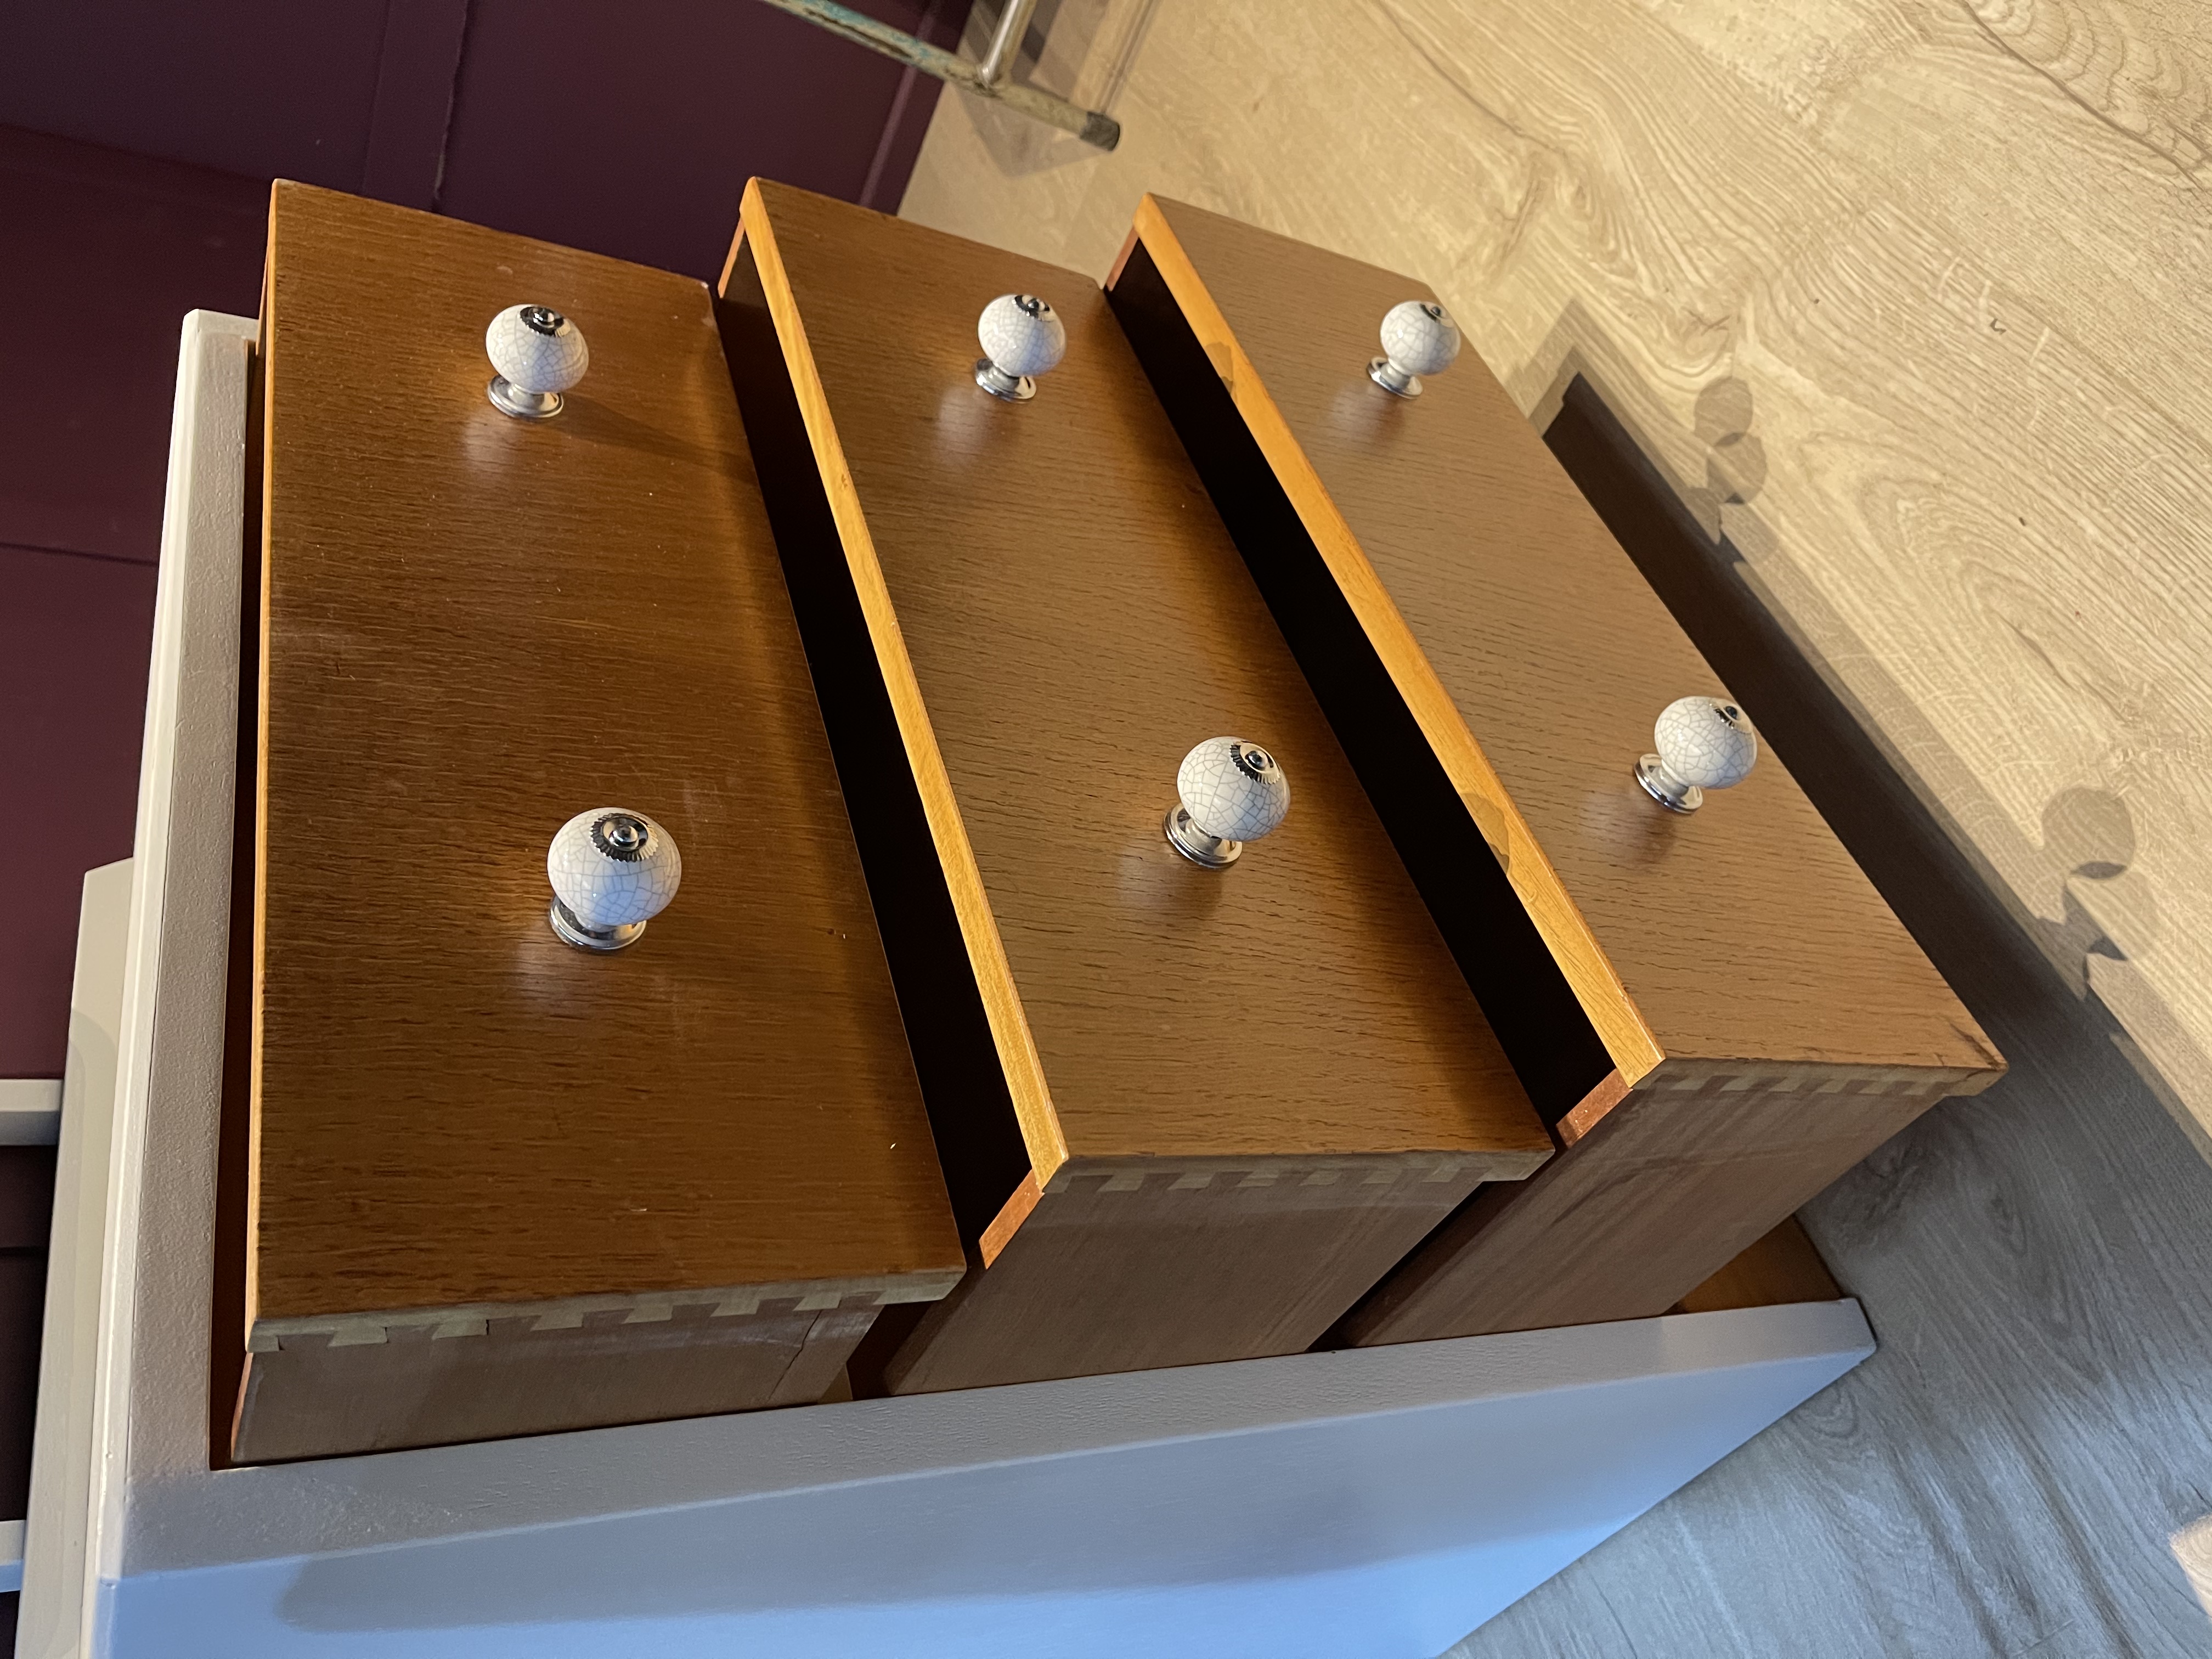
{"points": [[971, 1109], [1553, 1046]]}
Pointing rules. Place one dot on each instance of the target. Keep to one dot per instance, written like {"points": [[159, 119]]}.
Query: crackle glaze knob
{"points": [[612, 871], [1022, 337], [539, 354], [1419, 337], [1703, 743], [1232, 791]]}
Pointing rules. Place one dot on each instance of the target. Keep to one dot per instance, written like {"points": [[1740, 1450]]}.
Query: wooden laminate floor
{"points": [[1907, 299], [2025, 1465]]}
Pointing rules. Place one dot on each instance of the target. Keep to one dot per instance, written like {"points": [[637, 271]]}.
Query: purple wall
{"points": [[564, 129], [629, 129], [104, 254]]}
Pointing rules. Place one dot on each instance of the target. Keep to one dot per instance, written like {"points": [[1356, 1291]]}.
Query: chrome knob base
{"points": [[1214, 852], [1014, 388], [1663, 787], [573, 931], [1393, 379], [511, 399]]}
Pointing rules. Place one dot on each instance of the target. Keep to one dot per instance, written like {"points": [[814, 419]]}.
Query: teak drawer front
{"points": [[1051, 614], [473, 628], [1746, 987]]}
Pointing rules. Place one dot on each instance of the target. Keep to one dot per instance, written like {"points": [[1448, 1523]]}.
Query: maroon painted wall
{"points": [[630, 129], [563, 128], [104, 254]]}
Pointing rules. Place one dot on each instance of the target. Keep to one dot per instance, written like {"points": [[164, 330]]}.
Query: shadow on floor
{"points": [[2015, 1470]]}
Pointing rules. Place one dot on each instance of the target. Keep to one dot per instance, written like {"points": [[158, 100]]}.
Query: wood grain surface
{"points": [[1257, 456], [474, 628], [1075, 619], [1050, 598], [1545, 984], [1796, 1025], [1143, 1263], [1741, 931], [321, 1395], [1664, 1191]]}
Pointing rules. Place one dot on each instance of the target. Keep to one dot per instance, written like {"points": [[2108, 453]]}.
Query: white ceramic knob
{"points": [[1703, 743], [1419, 337], [1232, 791], [612, 871], [539, 354], [1022, 336]]}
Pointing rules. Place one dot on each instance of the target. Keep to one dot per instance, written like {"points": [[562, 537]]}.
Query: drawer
{"points": [[1185, 1114], [1714, 1009], [496, 1184]]}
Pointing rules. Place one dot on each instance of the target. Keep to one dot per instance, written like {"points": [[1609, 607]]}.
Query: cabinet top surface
{"points": [[1077, 618], [1743, 931], [474, 628]]}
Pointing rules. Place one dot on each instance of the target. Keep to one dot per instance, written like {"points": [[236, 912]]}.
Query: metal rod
{"points": [[1005, 42], [1090, 125]]}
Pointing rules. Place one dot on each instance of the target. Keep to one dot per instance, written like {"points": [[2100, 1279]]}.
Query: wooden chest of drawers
{"points": [[1186, 1114], [493, 1184], [1717, 1011], [1062, 1100]]}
